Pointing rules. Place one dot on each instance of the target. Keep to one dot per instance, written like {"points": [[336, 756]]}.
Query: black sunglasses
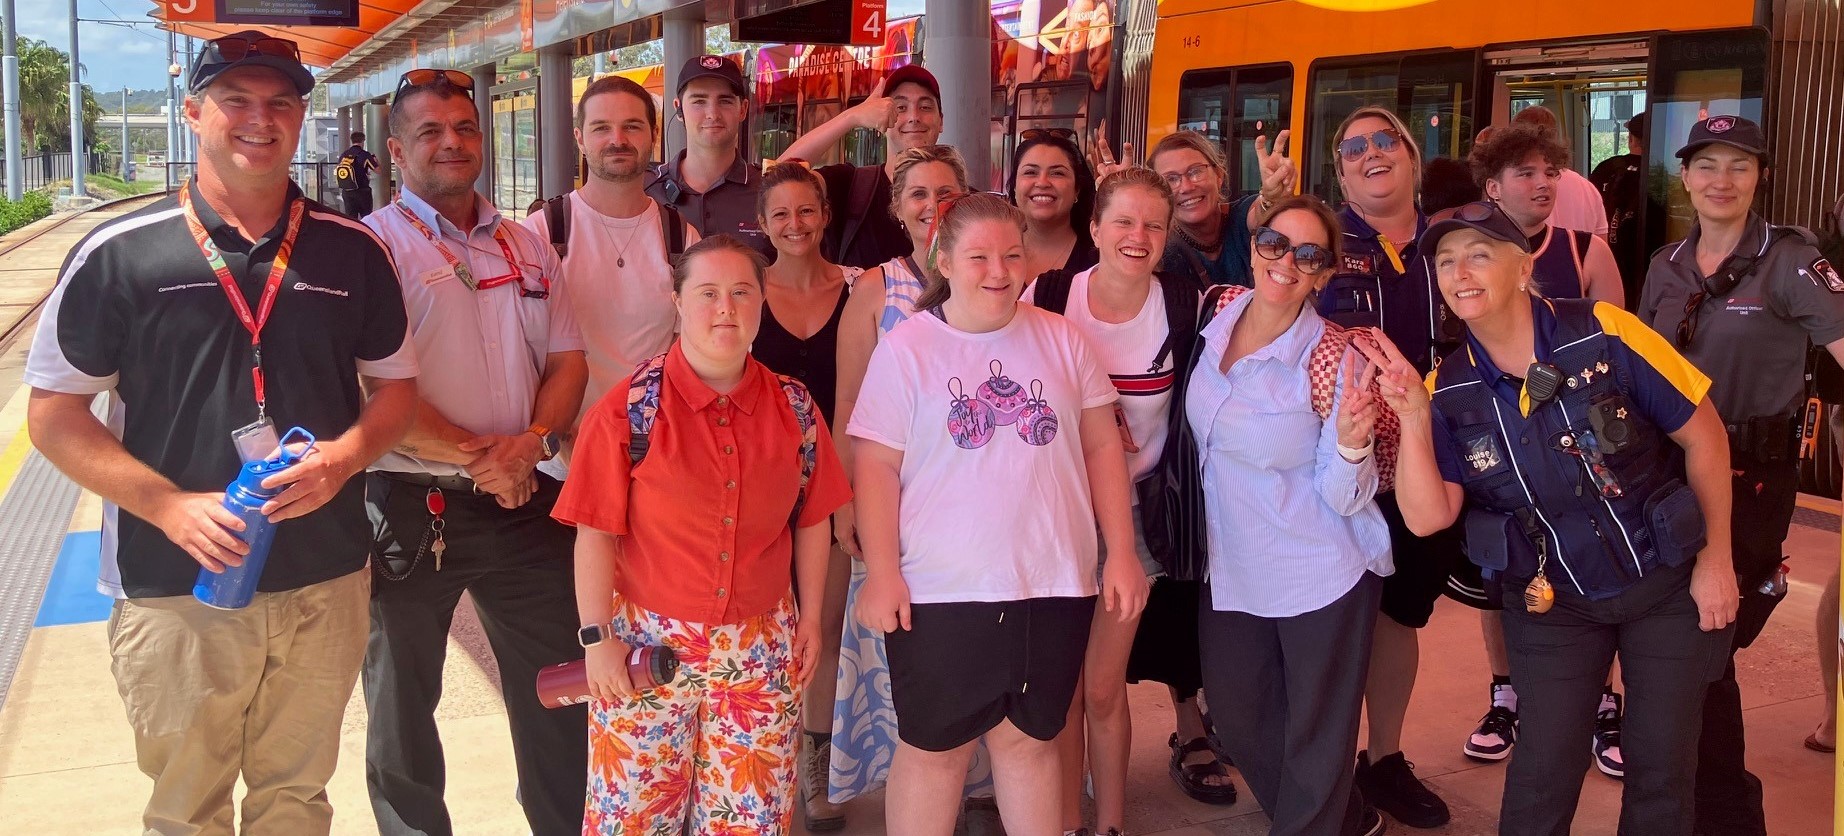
{"points": [[1274, 246], [233, 48], [1687, 327], [1385, 140], [420, 78], [1030, 134]]}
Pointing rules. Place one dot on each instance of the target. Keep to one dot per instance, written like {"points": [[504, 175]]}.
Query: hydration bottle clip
{"points": [[287, 457]]}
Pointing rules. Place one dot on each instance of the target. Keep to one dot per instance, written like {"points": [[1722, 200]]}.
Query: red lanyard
{"points": [[251, 322], [461, 270]]}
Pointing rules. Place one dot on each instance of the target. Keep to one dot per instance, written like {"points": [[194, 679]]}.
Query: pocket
{"points": [[1488, 538], [1676, 522]]}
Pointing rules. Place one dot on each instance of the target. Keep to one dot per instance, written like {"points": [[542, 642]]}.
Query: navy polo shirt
{"points": [[1367, 291]]}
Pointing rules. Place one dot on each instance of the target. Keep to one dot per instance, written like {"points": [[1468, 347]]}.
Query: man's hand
{"points": [[876, 112], [505, 462], [519, 495], [198, 523], [312, 482]]}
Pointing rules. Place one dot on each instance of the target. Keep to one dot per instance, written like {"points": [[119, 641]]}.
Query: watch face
{"points": [[590, 636]]}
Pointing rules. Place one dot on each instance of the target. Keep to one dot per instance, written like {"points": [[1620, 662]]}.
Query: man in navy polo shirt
{"points": [[236, 302]]}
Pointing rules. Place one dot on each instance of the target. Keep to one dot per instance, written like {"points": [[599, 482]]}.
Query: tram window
{"points": [[776, 132], [1438, 92], [1336, 91], [817, 113], [1233, 106], [1696, 76]]}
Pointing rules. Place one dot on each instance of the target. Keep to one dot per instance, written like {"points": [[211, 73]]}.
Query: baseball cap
{"points": [[1481, 215], [712, 66], [912, 74], [1729, 130], [249, 48]]}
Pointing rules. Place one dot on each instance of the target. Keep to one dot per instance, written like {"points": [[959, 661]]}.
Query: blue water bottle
{"points": [[233, 588]]}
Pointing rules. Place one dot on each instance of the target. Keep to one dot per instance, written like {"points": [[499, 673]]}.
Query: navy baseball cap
{"points": [[912, 74], [1733, 131], [249, 48], [712, 66], [1481, 215]]}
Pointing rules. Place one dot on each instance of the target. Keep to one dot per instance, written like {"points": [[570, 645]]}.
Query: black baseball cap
{"points": [[712, 66], [912, 74], [1733, 131], [1481, 215], [249, 48]]}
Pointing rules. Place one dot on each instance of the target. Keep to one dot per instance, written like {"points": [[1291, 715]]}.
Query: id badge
{"points": [[256, 441]]}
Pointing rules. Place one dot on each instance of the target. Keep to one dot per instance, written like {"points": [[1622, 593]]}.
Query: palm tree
{"points": [[44, 97]]}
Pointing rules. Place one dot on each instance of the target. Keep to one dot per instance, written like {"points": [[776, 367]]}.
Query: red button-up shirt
{"points": [[703, 519]]}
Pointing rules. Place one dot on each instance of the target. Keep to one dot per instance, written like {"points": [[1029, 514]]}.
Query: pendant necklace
{"points": [[620, 250]]}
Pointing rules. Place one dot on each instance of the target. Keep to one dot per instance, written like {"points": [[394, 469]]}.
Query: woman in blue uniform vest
{"points": [[1519, 168], [1588, 461]]}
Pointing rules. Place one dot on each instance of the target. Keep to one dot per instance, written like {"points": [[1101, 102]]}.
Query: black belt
{"points": [[427, 480], [1767, 439]]}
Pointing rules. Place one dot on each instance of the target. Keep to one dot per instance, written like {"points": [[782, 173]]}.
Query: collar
{"points": [[698, 395], [1290, 348], [221, 229], [739, 172], [488, 216], [1754, 239], [1543, 330], [1355, 226]]}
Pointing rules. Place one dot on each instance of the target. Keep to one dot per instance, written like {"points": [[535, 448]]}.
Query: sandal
{"points": [[1816, 745], [1192, 777]]}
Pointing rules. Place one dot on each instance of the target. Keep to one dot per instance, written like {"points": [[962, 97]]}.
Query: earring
{"points": [[1523, 288]]}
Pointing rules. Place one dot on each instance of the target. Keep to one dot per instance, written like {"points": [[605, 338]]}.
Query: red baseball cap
{"points": [[912, 74]]}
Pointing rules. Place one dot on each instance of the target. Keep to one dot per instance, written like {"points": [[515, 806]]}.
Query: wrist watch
{"points": [[547, 440], [593, 634]]}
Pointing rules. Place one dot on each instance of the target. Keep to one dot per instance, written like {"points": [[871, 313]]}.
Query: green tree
{"points": [[44, 97]]}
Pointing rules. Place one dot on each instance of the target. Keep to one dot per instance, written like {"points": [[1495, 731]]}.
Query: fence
{"points": [[315, 179], [41, 170]]}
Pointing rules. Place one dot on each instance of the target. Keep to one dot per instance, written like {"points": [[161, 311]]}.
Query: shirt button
{"points": [[729, 521], [802, 352], [729, 450], [722, 401], [723, 557], [720, 592], [1524, 440], [730, 485], [723, 422]]}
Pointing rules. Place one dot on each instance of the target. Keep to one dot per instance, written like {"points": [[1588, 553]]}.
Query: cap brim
{"points": [[1431, 237], [292, 70], [1687, 151]]}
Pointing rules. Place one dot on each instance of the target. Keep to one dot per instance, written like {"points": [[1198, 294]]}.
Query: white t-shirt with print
{"points": [[995, 501], [1126, 351]]}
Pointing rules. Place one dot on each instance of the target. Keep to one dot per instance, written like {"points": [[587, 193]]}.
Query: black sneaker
{"points": [[1390, 785], [1496, 734], [1370, 822], [1607, 740]]}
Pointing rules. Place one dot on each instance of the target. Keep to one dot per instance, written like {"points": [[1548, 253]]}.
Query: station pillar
{"points": [[485, 76], [377, 129], [345, 129], [556, 112], [682, 37], [960, 55]]}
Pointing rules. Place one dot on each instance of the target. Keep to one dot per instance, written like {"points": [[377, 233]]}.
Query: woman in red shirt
{"points": [[691, 548]]}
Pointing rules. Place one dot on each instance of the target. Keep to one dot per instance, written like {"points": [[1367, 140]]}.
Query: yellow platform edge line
{"points": [[1821, 504], [14, 456]]}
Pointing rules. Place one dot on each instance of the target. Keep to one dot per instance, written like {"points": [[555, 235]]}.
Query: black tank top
{"points": [[813, 361], [1560, 254]]}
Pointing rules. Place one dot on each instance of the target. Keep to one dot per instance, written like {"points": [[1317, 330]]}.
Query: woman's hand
{"points": [[845, 531], [1357, 411], [1401, 384], [606, 666], [883, 602], [1104, 163], [1277, 170], [806, 647], [1713, 587], [1123, 586]]}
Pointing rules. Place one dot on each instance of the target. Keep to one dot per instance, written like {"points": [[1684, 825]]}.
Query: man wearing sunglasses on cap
{"points": [[215, 317], [710, 182], [459, 505], [906, 107], [1744, 300]]}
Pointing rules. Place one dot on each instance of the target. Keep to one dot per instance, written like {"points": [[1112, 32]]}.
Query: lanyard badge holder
{"points": [[1541, 382]]}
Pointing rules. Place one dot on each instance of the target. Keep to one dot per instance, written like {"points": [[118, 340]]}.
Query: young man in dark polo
{"points": [[354, 175], [710, 183], [237, 304], [906, 108]]}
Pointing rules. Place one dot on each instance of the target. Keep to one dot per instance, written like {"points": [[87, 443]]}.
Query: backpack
{"points": [[643, 393], [347, 172], [557, 219], [1323, 367]]}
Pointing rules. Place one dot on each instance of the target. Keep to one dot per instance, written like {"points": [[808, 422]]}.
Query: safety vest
{"points": [[1527, 491]]}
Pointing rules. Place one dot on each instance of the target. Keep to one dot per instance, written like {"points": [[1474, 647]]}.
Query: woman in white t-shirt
{"points": [[986, 456]]}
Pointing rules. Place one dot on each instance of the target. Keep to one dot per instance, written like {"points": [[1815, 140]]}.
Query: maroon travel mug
{"points": [[568, 683]]}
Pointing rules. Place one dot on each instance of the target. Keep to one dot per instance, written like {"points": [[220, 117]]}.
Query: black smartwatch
{"points": [[593, 634]]}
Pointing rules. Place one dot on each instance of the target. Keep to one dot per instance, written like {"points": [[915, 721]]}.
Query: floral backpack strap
{"points": [[806, 417], [643, 406], [1323, 368]]}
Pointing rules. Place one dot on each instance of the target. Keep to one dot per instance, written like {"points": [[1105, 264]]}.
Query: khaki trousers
{"points": [[260, 692]]}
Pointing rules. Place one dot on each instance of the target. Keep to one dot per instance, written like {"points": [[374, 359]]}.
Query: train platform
{"points": [[67, 762]]}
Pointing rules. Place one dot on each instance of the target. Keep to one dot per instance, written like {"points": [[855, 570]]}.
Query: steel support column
{"points": [[960, 56], [556, 144], [682, 37], [15, 143], [484, 77], [377, 127]]}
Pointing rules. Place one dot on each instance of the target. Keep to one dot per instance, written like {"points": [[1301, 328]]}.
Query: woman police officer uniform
{"points": [[1744, 300], [1586, 484]]}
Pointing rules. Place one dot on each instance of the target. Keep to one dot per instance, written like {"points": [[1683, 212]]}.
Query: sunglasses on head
{"points": [[417, 79], [771, 165], [1030, 134], [1274, 246], [1385, 140], [1479, 212], [233, 48]]}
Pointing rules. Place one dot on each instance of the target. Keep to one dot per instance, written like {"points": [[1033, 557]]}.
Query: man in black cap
{"points": [[906, 108], [710, 183], [216, 316], [1744, 300]]}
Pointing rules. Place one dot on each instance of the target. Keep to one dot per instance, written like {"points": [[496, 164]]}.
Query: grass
{"points": [[100, 182]]}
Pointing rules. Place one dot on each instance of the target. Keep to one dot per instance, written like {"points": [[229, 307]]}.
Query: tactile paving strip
{"points": [[34, 517]]}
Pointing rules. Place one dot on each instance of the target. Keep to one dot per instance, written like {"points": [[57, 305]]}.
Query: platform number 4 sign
{"points": [[868, 22]]}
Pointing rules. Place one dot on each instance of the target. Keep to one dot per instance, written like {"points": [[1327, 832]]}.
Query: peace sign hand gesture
{"points": [[1358, 410], [1104, 162], [877, 112], [1277, 170], [1400, 383]]}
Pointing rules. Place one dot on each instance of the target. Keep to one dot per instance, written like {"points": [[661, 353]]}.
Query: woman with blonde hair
{"points": [[1211, 244]]}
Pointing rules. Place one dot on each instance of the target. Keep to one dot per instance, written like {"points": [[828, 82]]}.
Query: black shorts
{"points": [[965, 666], [1423, 565]]}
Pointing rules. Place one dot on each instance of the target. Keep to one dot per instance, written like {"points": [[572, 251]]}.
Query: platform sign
{"points": [[841, 22], [265, 12]]}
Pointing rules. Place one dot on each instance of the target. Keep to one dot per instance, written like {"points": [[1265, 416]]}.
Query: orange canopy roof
{"points": [[320, 45]]}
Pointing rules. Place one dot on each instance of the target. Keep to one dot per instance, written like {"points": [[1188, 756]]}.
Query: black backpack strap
{"points": [[1051, 290], [1180, 337], [557, 219], [858, 205], [672, 231]]}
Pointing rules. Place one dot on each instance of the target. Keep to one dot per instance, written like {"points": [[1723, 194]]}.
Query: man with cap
{"points": [[215, 317], [1588, 466], [906, 108], [710, 183], [1745, 300]]}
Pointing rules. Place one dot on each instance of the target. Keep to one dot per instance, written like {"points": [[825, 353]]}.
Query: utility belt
{"points": [[427, 480], [1768, 439]]}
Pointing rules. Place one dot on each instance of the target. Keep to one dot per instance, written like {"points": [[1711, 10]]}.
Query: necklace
{"points": [[1199, 244], [620, 249]]}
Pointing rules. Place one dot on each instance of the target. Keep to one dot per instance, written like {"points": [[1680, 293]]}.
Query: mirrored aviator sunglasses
{"points": [[431, 77], [231, 49], [1030, 134], [1385, 140], [1309, 257]]}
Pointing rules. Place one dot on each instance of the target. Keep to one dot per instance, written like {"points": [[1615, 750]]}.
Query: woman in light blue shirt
{"points": [[1296, 542]]}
